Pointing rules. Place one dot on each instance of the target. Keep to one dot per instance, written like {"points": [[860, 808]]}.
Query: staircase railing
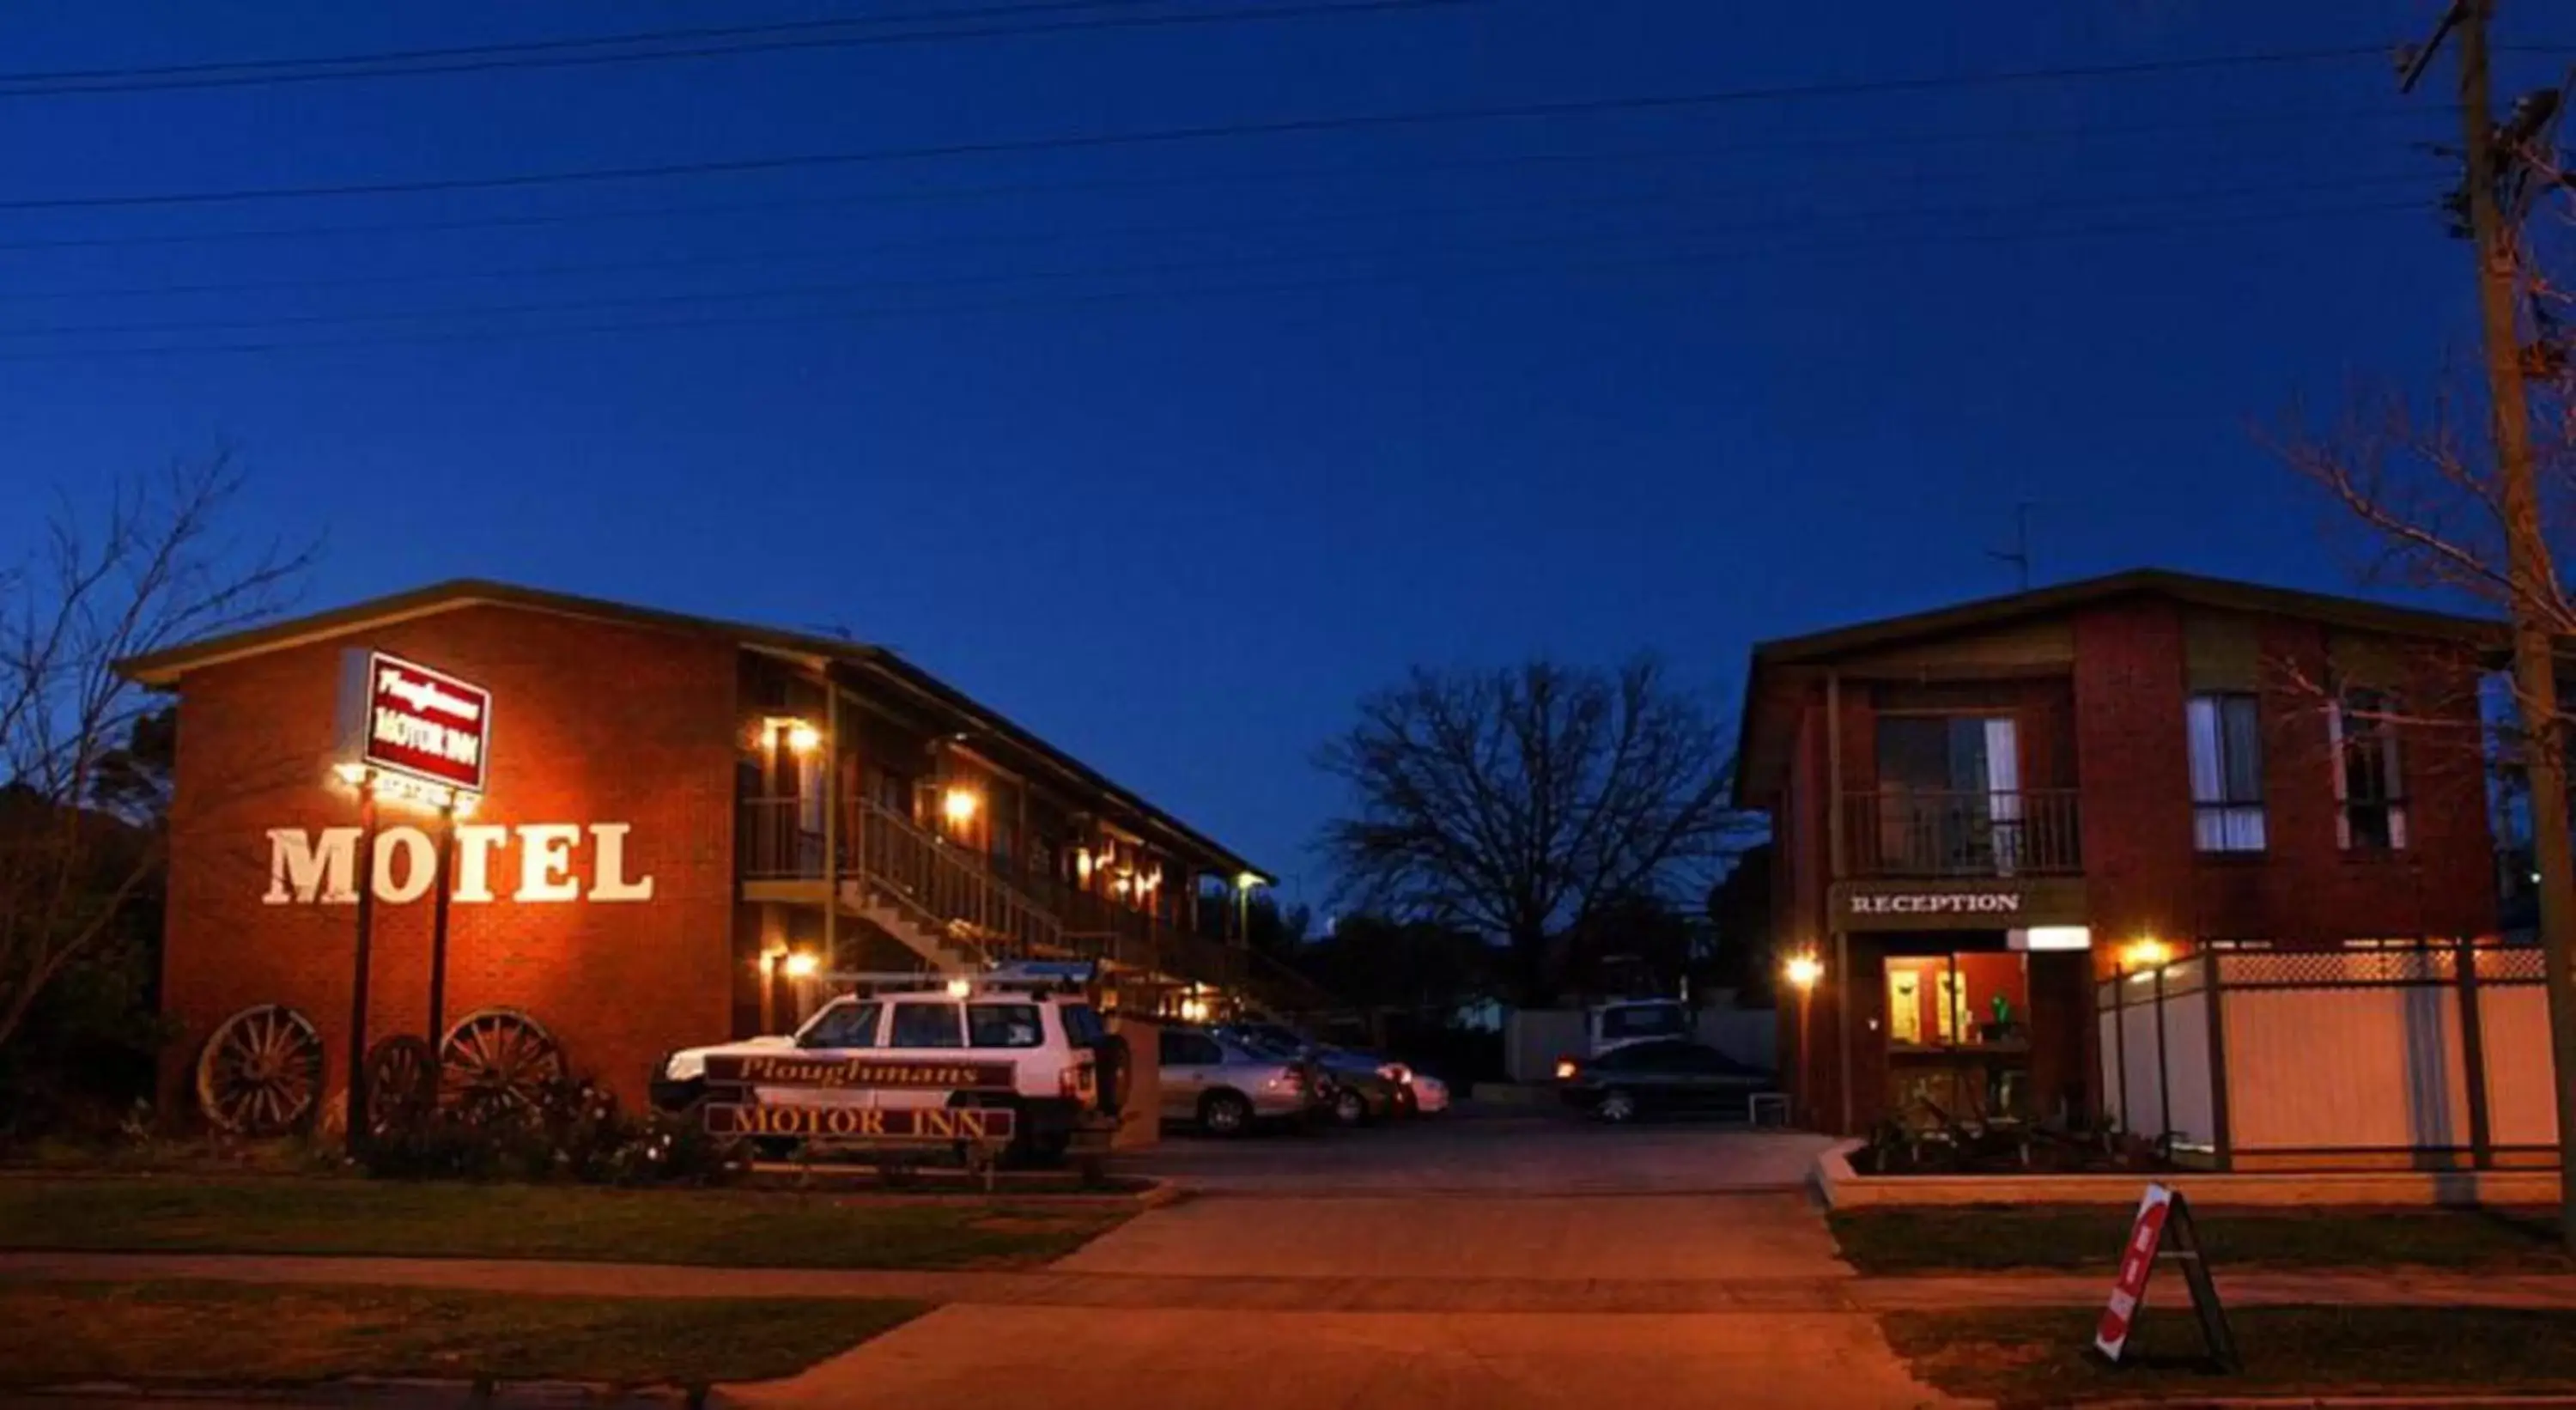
{"points": [[920, 871]]}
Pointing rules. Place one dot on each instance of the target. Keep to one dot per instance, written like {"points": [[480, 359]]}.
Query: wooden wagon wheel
{"points": [[261, 1072], [402, 1084], [497, 1060]]}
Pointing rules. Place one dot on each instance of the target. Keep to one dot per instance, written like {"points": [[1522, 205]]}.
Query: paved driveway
{"points": [[1396, 1218], [1515, 1152]]}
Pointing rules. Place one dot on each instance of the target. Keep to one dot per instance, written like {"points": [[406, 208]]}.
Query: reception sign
{"points": [[1997, 903]]}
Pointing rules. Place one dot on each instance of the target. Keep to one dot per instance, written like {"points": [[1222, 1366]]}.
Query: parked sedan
{"points": [[1223, 1086], [1666, 1075], [1356, 1087]]}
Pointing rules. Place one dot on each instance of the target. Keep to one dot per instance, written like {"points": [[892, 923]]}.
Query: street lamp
{"points": [[1803, 971]]}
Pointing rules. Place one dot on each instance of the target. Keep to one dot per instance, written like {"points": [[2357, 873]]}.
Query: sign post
{"points": [[2163, 1229], [421, 736], [357, 1117]]}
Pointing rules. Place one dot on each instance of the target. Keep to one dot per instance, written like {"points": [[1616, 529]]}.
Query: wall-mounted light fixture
{"points": [[2146, 952], [802, 964], [1803, 971], [959, 803]]}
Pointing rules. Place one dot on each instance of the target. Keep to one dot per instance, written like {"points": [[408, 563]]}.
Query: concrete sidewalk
{"points": [[1064, 1286]]}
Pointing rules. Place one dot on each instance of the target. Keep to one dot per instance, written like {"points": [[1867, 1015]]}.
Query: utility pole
{"points": [[2019, 557], [2528, 569]]}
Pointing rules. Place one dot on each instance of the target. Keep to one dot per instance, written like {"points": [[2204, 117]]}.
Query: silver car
{"points": [[1223, 1087]]}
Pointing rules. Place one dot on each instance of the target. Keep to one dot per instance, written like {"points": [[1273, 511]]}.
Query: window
{"points": [[843, 1026], [924, 1026], [1189, 1050], [1002, 1026], [1650, 1020], [1082, 1026], [2370, 783], [2226, 734]]}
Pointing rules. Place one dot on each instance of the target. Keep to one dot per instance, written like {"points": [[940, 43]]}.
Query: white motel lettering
{"points": [[1938, 904], [306, 868]]}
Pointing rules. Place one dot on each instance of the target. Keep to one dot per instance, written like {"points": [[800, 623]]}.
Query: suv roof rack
{"points": [[1036, 977]]}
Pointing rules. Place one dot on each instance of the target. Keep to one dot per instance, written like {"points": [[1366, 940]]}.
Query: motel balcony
{"points": [[1961, 834], [887, 858]]}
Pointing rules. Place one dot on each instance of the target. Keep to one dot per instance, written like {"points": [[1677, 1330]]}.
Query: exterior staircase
{"points": [[942, 903], [949, 907]]}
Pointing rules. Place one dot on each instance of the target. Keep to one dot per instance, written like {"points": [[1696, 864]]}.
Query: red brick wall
{"points": [[2144, 875], [2135, 765], [592, 722]]}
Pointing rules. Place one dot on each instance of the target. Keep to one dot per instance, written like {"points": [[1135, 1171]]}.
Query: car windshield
{"points": [[1628, 1021], [1081, 1025], [849, 1025], [1003, 1026], [1260, 1044]]}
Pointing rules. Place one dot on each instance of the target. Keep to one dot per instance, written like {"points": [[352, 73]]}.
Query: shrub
{"points": [[572, 1131]]}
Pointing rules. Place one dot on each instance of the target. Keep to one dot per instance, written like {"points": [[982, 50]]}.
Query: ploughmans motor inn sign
{"points": [[1983, 903], [422, 726], [403, 717]]}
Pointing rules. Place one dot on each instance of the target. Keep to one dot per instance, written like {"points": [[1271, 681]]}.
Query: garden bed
{"points": [[2026, 1356], [460, 1219], [178, 1333]]}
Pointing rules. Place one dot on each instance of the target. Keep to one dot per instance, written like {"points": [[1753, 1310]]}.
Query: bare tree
{"points": [[1524, 802], [2480, 503], [78, 842]]}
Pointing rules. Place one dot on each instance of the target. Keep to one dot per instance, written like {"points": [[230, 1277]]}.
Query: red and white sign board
{"points": [[422, 723], [2137, 1261]]}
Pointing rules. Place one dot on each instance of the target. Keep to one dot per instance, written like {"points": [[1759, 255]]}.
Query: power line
{"points": [[1444, 270], [1159, 268], [461, 51], [2235, 122], [757, 257], [497, 57], [1200, 132]]}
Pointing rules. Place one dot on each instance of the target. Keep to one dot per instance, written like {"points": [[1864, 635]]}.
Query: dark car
{"points": [[1667, 1075]]}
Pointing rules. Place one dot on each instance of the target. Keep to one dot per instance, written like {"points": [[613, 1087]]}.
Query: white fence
{"points": [[2428, 1055]]}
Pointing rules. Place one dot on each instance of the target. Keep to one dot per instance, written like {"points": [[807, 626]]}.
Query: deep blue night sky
{"points": [[1172, 450]]}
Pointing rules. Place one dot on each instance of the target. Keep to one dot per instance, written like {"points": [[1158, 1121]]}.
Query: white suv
{"points": [[1067, 1070]]}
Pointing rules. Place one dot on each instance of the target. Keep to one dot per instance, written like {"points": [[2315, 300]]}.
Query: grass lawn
{"points": [[2042, 1357], [56, 1333], [1992, 1238], [742, 1228]]}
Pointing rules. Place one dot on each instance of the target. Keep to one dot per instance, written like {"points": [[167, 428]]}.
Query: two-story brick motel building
{"points": [[2210, 860], [660, 830]]}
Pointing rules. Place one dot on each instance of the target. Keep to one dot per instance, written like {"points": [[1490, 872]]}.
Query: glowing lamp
{"points": [[802, 965], [351, 774], [2146, 953], [959, 804], [960, 988], [804, 738], [1803, 971], [1249, 880]]}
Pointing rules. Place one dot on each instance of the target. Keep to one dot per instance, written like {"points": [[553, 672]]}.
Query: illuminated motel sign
{"points": [[403, 718]]}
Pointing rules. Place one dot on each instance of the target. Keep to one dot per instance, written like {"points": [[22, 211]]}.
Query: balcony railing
{"points": [[940, 884], [906, 866], [1924, 833]]}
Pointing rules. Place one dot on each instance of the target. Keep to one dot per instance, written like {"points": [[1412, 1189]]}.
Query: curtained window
{"points": [[2226, 772]]}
